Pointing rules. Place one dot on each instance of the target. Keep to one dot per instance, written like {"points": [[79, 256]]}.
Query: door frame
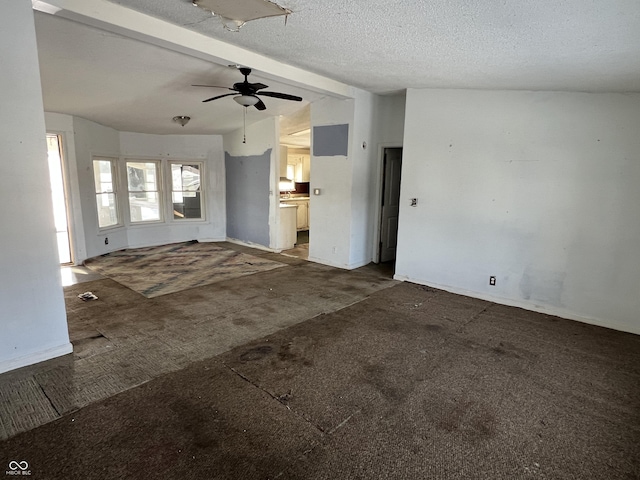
{"points": [[64, 168], [378, 197]]}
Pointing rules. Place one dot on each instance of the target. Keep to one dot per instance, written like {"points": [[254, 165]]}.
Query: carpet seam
{"points": [[473, 317], [50, 402], [247, 379]]}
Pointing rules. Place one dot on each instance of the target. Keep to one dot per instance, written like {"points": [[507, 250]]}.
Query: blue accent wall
{"points": [[247, 182]]}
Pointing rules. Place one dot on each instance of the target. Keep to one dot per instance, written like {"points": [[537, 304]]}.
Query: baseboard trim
{"points": [[37, 357], [257, 246], [351, 266], [548, 310]]}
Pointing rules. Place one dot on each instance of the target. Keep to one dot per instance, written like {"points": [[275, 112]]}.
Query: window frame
{"points": [[170, 192], [115, 187], [159, 186]]}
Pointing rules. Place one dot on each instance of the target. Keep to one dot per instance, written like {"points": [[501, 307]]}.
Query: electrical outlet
{"points": [[492, 280], [106, 240]]}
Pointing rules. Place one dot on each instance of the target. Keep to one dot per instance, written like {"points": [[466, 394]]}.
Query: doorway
{"points": [[295, 165], [392, 168], [58, 195]]}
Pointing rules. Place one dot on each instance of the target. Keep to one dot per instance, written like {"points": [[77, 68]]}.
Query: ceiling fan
{"points": [[249, 92]]}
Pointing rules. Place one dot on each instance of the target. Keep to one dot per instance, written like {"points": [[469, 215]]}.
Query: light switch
{"points": [[316, 191]]}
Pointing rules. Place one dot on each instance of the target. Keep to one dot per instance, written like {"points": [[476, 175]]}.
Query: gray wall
{"points": [[248, 197]]}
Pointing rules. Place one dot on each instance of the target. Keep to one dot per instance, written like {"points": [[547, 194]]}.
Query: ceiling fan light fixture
{"points": [[246, 100]]}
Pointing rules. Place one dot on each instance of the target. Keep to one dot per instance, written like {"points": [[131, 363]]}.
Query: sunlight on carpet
{"points": [[155, 271]]}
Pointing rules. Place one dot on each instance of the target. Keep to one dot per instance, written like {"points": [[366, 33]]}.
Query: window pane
{"points": [[107, 212], [105, 193], [185, 177], [103, 176], [186, 205], [144, 206], [185, 184], [142, 177], [144, 198]]}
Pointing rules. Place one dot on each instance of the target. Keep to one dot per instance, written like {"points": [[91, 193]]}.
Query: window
{"points": [[104, 178], [144, 194], [186, 190], [291, 171]]}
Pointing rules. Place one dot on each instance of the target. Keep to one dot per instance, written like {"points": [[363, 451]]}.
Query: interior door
{"points": [[390, 203]]}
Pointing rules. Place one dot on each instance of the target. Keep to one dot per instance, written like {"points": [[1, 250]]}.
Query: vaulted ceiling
{"points": [[139, 83]]}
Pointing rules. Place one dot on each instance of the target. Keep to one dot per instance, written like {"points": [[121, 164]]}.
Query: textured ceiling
{"points": [[134, 80], [388, 45]]}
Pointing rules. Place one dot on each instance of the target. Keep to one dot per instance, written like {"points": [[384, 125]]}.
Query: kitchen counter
{"points": [[293, 199]]}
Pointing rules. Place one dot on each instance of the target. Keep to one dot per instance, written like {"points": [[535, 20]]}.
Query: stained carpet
{"points": [[155, 271], [410, 383]]}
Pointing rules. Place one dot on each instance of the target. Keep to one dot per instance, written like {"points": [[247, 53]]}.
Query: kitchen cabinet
{"points": [[287, 228], [302, 213]]}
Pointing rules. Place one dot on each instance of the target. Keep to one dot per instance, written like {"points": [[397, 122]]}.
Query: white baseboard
{"points": [[251, 244], [546, 309], [329, 263], [37, 357], [212, 240]]}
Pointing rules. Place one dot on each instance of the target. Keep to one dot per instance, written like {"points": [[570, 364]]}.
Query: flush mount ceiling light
{"points": [[181, 119], [235, 14]]}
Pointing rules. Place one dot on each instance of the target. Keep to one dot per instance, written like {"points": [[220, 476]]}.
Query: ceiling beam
{"points": [[125, 21]]}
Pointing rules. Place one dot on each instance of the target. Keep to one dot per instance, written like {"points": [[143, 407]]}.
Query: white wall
{"points": [[330, 212], [364, 155], [93, 139], [204, 148], [83, 139], [539, 189], [389, 118], [342, 217], [33, 323]]}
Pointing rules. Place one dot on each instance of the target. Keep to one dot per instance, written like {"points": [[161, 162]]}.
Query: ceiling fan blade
{"points": [[211, 86], [284, 96], [258, 86], [219, 96], [260, 105]]}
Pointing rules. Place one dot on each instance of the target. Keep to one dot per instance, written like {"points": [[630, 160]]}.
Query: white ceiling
{"points": [[134, 86], [380, 46]]}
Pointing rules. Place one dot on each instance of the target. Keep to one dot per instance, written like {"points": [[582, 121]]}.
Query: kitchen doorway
{"points": [[295, 170], [59, 198]]}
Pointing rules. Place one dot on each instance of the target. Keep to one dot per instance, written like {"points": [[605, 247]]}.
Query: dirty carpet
{"points": [[409, 383], [159, 270]]}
